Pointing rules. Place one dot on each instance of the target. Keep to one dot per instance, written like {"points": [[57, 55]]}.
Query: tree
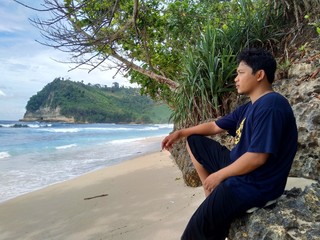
{"points": [[115, 85], [143, 39], [148, 40]]}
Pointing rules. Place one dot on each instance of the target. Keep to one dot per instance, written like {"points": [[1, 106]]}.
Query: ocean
{"points": [[34, 155]]}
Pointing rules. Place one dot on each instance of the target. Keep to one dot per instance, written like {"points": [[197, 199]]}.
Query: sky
{"points": [[26, 66]]}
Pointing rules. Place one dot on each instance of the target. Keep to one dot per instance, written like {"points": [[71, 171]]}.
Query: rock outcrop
{"points": [[46, 114], [304, 97], [296, 216]]}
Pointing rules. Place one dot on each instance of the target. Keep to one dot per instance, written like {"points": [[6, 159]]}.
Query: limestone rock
{"points": [[295, 216], [297, 69], [46, 114], [182, 159], [304, 97]]}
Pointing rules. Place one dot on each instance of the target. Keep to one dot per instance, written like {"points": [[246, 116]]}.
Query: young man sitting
{"points": [[255, 171]]}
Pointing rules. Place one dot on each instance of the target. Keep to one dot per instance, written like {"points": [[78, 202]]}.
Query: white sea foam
{"points": [[108, 129], [39, 125], [34, 125], [23, 125], [4, 155], [148, 129], [125, 140], [169, 125], [152, 128], [36, 166], [6, 125], [66, 146], [62, 130], [157, 127]]}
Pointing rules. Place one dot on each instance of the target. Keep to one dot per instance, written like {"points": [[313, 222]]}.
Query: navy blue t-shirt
{"points": [[266, 126]]}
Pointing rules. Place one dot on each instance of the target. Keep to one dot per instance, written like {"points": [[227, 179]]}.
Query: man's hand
{"points": [[212, 181], [205, 129], [169, 140]]}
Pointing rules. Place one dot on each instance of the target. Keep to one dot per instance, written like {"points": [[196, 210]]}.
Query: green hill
{"points": [[94, 103]]}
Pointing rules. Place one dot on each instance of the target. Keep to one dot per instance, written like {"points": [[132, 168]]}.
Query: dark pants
{"points": [[213, 217]]}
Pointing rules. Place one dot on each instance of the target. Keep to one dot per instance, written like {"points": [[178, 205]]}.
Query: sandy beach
{"points": [[143, 198]]}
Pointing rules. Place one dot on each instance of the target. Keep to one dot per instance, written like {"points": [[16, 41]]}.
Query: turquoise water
{"points": [[34, 155]]}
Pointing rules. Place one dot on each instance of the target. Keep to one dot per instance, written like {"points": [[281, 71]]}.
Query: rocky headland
{"points": [[47, 114]]}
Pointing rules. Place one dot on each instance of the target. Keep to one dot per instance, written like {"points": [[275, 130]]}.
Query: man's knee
{"points": [[190, 142], [192, 139]]}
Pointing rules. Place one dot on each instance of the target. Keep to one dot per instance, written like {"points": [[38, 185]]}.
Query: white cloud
{"points": [[27, 66], [13, 16]]}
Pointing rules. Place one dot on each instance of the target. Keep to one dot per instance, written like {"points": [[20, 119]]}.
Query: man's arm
{"points": [[206, 129], [243, 165]]}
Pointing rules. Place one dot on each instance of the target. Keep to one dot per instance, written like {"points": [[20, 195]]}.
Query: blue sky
{"points": [[27, 66]]}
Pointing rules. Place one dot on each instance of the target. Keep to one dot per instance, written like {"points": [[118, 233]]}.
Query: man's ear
{"points": [[260, 74]]}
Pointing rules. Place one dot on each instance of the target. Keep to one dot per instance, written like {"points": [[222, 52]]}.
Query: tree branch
{"points": [[161, 79], [91, 37]]}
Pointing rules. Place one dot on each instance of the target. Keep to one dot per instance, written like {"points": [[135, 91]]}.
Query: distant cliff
{"points": [[68, 101]]}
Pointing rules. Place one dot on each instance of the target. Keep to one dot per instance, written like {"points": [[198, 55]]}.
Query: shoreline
{"points": [[149, 146], [141, 198]]}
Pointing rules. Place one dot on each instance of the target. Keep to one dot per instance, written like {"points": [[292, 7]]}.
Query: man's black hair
{"points": [[259, 59]]}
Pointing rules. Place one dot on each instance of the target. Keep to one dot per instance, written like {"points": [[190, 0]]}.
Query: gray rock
{"points": [[295, 216], [304, 98]]}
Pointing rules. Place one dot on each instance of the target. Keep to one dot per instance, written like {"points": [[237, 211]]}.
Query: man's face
{"points": [[245, 80]]}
